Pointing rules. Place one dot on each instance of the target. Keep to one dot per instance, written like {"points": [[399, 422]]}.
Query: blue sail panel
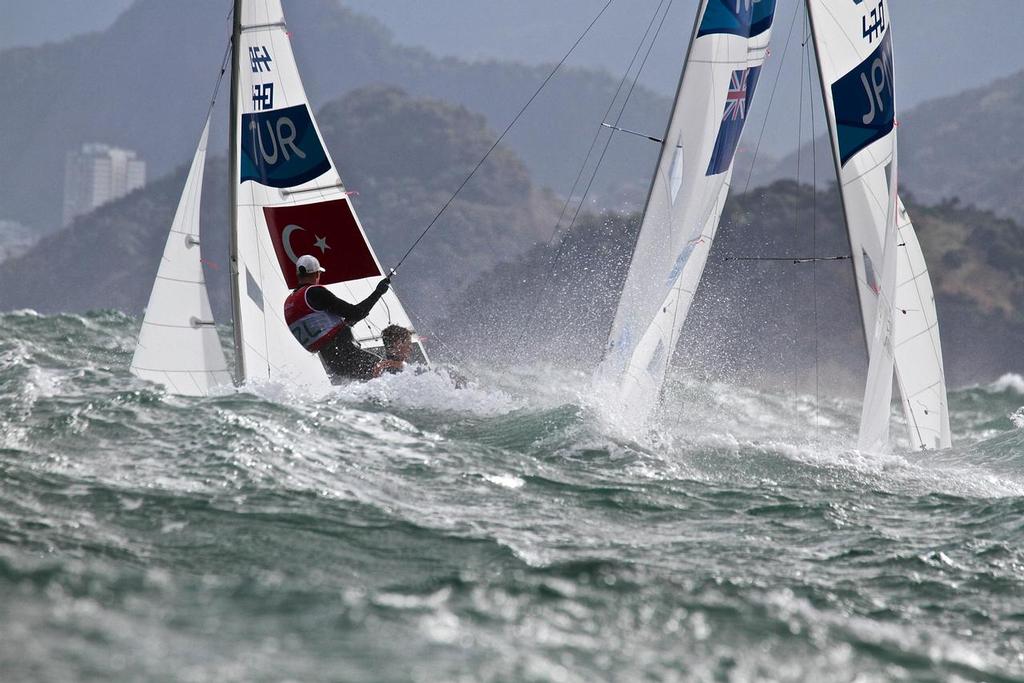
{"points": [[864, 103], [746, 18], [281, 148]]}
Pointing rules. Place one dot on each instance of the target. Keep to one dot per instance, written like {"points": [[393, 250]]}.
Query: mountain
{"points": [[963, 146], [124, 88], [33, 23], [401, 154], [773, 320], [941, 48]]}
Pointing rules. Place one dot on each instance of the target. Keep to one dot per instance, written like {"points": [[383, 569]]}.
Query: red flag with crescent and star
{"points": [[328, 231]]}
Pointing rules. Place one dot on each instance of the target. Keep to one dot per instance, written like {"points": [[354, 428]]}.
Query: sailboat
{"points": [[726, 53], [287, 199], [853, 46]]}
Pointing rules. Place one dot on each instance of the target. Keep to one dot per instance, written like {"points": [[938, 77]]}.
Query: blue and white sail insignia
{"points": [[281, 148], [864, 102], [734, 115], [744, 18]]}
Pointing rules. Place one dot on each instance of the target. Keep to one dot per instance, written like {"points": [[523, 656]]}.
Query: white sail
{"points": [[919, 370], [687, 195], [875, 412], [288, 200], [854, 50], [178, 345]]}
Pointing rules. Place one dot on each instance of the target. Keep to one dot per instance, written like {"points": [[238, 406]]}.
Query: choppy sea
{"points": [[406, 530]]}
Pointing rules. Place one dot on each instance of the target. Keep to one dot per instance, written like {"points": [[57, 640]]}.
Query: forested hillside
{"points": [[768, 319], [402, 155]]}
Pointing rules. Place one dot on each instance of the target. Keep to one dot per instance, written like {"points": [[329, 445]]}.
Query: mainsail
{"points": [[853, 44], [726, 53], [178, 345], [287, 199]]}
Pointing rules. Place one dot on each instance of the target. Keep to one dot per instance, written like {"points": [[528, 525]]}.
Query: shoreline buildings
{"points": [[97, 174]]}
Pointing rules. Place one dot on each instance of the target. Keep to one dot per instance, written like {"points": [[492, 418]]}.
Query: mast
{"points": [[671, 116], [233, 175], [832, 136]]}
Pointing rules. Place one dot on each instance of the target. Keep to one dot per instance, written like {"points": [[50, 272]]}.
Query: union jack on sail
{"points": [[734, 115], [736, 100]]}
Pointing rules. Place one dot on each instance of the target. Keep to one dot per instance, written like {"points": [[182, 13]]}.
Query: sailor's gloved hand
{"points": [[383, 285]]}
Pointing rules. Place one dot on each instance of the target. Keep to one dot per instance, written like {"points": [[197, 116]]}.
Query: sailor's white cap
{"points": [[308, 264]]}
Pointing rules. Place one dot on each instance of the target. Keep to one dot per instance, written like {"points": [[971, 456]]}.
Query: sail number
{"points": [[263, 96], [259, 59], [876, 28]]}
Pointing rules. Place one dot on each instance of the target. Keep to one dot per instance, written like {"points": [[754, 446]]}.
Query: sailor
{"points": [[322, 323], [397, 350]]}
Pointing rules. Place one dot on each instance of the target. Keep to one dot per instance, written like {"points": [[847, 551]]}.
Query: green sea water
{"points": [[405, 530]]}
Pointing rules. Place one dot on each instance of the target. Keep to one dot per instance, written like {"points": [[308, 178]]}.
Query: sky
{"points": [[32, 22], [942, 46]]}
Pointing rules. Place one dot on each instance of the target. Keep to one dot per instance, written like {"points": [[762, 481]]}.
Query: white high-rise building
{"points": [[97, 174]]}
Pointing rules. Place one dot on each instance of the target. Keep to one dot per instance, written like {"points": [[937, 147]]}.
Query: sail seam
{"points": [[174, 279], [264, 27]]}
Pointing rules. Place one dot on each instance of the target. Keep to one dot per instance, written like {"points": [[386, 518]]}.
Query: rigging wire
{"points": [[553, 259], [502, 136], [764, 122], [790, 259], [814, 241], [771, 98], [604, 119], [796, 222], [220, 78], [618, 118]]}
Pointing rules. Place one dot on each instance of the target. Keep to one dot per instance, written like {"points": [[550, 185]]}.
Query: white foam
{"points": [[509, 481], [1017, 418], [436, 389], [1010, 381]]}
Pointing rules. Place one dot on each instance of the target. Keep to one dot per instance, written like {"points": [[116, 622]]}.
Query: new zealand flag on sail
{"points": [[746, 18], [280, 148], [863, 102], [737, 105]]}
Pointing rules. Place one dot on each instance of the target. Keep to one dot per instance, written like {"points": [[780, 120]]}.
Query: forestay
{"points": [[178, 345], [288, 200], [853, 45], [726, 53]]}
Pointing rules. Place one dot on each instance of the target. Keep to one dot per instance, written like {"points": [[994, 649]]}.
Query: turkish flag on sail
{"points": [[328, 231]]}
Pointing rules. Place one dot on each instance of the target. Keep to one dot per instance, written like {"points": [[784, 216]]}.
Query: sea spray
{"points": [[407, 529]]}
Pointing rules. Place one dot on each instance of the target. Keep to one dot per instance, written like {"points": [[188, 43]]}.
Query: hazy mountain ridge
{"points": [[487, 263], [144, 84], [964, 146], [755, 320], [108, 258]]}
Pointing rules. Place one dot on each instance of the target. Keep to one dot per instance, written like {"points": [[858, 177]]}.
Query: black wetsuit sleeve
{"points": [[321, 299]]}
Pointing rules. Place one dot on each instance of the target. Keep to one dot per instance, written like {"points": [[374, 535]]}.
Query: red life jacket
{"points": [[312, 328]]}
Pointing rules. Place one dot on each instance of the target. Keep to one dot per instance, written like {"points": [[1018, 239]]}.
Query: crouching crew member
{"points": [[322, 323]]}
